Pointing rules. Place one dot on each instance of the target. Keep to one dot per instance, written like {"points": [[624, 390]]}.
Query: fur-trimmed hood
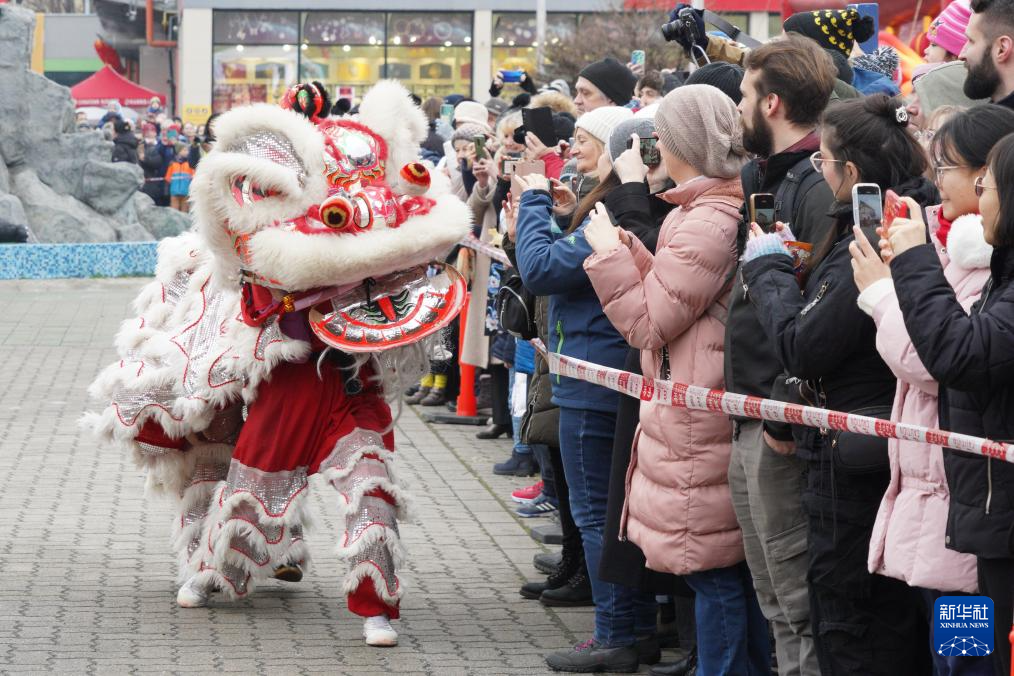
{"points": [[268, 171]]}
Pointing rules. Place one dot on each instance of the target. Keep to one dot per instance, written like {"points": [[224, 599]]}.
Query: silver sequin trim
{"points": [[272, 147], [364, 471], [153, 450], [175, 289], [130, 403], [372, 512], [379, 555], [268, 335], [350, 445], [274, 490], [236, 576]]}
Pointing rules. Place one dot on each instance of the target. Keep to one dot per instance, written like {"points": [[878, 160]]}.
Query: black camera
{"points": [[683, 29]]}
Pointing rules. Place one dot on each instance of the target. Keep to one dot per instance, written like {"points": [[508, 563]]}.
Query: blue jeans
{"points": [[732, 634], [622, 615]]}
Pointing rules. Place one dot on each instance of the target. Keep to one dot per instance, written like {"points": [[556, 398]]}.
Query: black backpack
{"points": [[515, 308], [797, 182]]}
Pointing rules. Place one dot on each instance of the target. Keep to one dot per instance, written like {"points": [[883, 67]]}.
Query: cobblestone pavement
{"points": [[87, 582]]}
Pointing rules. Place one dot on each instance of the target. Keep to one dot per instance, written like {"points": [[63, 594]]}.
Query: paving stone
{"points": [[89, 577]]}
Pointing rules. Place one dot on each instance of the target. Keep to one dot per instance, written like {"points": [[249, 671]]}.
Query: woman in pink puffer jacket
{"points": [[909, 541], [671, 306]]}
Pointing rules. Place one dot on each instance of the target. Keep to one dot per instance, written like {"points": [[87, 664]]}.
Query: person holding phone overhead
{"points": [[551, 265], [862, 623]]}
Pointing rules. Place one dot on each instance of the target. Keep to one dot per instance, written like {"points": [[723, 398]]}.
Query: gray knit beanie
{"points": [[701, 125], [642, 126]]}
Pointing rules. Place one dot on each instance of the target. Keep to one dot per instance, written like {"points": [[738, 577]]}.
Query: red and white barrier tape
{"points": [[485, 248], [719, 401]]}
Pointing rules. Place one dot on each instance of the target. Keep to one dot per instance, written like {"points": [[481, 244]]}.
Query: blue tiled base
{"points": [[52, 261]]}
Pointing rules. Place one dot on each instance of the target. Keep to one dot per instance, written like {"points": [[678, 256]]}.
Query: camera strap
{"points": [[729, 29]]}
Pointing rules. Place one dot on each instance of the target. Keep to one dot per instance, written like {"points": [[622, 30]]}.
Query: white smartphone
{"points": [[867, 205]]}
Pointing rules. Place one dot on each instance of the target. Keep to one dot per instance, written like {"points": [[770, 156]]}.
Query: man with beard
{"points": [[989, 52], [787, 84]]}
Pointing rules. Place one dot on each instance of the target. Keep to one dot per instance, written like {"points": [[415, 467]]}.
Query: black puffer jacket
{"points": [[972, 357], [125, 148], [821, 336]]}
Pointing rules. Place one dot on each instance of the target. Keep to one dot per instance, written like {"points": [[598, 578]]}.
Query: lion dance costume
{"points": [[273, 337]]}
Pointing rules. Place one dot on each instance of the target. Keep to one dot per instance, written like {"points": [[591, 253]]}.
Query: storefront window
{"points": [[256, 74], [256, 28], [514, 40], [257, 55], [344, 50], [431, 53]]}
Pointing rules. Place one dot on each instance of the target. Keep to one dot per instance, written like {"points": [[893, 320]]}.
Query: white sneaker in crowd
{"points": [[378, 631]]}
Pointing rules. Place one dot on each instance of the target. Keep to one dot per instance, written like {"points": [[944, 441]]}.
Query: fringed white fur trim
{"points": [[966, 243], [300, 261], [222, 524], [388, 110], [375, 534], [195, 497], [211, 190], [355, 577]]}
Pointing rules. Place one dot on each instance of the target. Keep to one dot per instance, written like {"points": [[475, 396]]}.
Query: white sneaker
{"points": [[193, 594], [378, 631]]}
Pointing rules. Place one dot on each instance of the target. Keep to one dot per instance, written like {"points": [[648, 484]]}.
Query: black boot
{"points": [[577, 592], [559, 576], [494, 431], [547, 562], [519, 464], [685, 667]]}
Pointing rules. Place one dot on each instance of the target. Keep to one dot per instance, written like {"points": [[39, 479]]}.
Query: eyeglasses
{"points": [[982, 188], [939, 171], [817, 160]]}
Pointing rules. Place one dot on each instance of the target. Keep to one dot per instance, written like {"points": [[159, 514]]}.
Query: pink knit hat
{"points": [[948, 29]]}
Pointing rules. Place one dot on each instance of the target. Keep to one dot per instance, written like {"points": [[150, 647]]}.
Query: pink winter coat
{"points": [[679, 508], [908, 541]]}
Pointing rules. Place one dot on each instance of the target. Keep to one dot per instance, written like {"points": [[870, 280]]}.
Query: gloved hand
{"points": [[761, 244], [685, 43]]}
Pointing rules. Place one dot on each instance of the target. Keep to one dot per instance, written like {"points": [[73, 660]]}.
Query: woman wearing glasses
{"points": [[909, 540], [971, 356], [862, 623]]}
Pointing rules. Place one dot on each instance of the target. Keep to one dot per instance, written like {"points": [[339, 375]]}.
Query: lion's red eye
{"points": [[337, 212]]}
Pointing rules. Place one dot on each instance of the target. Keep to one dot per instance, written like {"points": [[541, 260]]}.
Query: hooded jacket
{"points": [[908, 536], [679, 505]]}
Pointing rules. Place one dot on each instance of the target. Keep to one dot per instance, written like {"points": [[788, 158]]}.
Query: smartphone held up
{"points": [[867, 205]]}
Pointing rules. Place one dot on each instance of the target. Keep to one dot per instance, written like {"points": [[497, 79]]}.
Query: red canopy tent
{"points": [[107, 85]]}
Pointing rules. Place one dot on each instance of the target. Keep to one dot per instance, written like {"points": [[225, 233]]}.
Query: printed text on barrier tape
{"points": [[681, 395], [482, 247]]}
